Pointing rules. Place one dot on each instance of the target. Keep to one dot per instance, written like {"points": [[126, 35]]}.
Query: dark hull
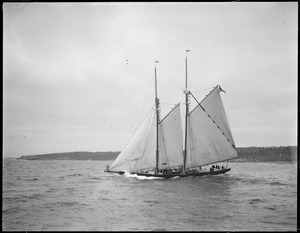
{"points": [[171, 175], [209, 173], [119, 172]]}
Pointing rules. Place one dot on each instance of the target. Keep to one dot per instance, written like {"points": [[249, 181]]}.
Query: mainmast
{"points": [[186, 92], [157, 121]]}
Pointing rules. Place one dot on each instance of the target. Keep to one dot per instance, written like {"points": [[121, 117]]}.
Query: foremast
{"points": [[157, 121], [186, 92]]}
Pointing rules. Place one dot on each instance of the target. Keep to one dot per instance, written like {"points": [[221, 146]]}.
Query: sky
{"points": [[80, 76]]}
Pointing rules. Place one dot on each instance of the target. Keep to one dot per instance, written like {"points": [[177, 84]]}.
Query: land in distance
{"points": [[245, 154]]}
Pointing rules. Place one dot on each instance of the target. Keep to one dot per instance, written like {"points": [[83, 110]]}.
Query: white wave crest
{"points": [[139, 177]]}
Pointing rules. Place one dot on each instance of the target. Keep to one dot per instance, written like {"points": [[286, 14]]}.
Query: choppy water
{"points": [[78, 195]]}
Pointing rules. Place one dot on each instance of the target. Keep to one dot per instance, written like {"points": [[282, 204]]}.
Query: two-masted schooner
{"points": [[157, 148]]}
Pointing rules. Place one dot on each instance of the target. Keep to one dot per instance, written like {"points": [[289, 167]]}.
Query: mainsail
{"points": [[139, 153], [209, 136]]}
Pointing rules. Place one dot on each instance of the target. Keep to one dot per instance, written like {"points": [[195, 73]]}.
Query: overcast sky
{"points": [[80, 76]]}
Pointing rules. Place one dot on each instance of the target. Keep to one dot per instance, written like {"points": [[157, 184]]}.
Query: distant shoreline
{"points": [[230, 161], [278, 162], [284, 154]]}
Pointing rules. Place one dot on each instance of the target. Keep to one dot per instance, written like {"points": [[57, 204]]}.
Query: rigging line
{"points": [[165, 103], [212, 120], [152, 122], [165, 93], [131, 117], [145, 102], [171, 96], [138, 127], [170, 78], [203, 90], [165, 147], [191, 138]]}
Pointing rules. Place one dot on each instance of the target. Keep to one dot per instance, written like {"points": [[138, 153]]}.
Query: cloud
{"points": [[81, 76]]}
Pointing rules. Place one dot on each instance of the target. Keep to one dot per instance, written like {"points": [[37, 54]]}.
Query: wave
{"points": [[11, 210], [33, 179], [247, 179], [24, 198], [70, 203], [269, 208], [152, 202], [104, 199], [95, 178], [277, 183], [159, 229], [255, 200], [52, 190], [35, 196], [71, 175], [24, 179], [277, 223], [7, 184], [76, 174]]}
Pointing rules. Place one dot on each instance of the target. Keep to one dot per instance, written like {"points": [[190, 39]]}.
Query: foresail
{"points": [[206, 142], [136, 146], [170, 140]]}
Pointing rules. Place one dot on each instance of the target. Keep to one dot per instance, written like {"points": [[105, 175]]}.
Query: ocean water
{"points": [[78, 195]]}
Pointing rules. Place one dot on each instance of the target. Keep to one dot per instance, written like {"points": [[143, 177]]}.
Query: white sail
{"points": [[136, 146], [170, 140], [148, 156], [206, 142], [140, 152], [170, 143], [214, 107]]}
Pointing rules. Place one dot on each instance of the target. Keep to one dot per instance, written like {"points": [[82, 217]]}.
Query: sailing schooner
{"points": [[157, 150]]}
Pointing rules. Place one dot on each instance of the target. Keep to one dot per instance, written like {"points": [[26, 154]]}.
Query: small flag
{"points": [[221, 89], [156, 61], [188, 50]]}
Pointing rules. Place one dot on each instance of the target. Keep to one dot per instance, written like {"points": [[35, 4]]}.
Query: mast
{"points": [[157, 121], [186, 92]]}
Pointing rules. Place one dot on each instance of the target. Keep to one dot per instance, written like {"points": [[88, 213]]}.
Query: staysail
{"points": [[170, 140], [209, 136]]}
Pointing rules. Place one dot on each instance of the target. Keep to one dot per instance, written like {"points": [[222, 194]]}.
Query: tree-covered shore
{"points": [[79, 155], [245, 154], [267, 154]]}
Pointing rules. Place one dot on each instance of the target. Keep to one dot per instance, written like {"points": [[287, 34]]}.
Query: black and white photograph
{"points": [[150, 116]]}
